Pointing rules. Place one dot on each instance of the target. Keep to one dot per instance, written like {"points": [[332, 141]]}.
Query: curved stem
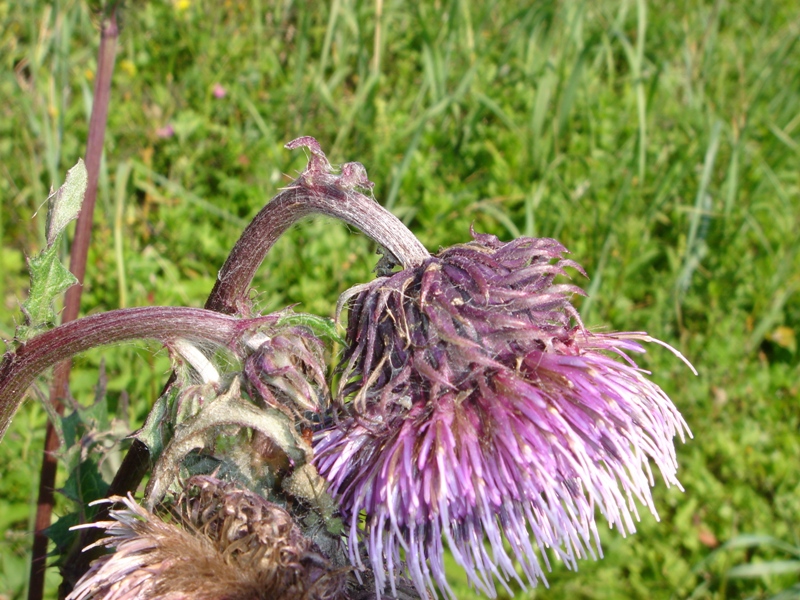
{"points": [[316, 191], [19, 369]]}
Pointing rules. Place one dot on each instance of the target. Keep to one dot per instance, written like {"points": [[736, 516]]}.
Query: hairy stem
{"points": [[19, 369], [316, 191]]}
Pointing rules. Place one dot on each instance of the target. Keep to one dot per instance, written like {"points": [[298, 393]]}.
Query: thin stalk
{"points": [[376, 48], [83, 232]]}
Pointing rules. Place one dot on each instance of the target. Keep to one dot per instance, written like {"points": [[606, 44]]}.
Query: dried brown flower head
{"points": [[222, 543]]}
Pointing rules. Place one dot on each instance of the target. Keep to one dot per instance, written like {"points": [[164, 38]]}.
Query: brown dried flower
{"points": [[222, 542]]}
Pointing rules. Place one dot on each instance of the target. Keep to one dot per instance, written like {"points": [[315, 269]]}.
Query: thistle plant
{"points": [[472, 411]]}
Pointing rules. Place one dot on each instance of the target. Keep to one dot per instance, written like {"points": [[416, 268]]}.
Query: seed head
{"points": [[221, 543]]}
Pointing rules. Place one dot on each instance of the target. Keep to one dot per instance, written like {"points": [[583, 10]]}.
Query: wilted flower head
{"points": [[477, 411], [224, 542]]}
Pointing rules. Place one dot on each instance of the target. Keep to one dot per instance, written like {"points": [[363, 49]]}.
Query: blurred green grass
{"points": [[659, 141]]}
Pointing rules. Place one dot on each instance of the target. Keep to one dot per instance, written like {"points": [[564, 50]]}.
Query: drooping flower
{"points": [[476, 412], [223, 542]]}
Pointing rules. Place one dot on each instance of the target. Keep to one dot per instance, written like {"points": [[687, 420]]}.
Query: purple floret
{"points": [[477, 413]]}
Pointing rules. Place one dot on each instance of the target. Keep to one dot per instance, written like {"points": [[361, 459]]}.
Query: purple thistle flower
{"points": [[477, 412]]}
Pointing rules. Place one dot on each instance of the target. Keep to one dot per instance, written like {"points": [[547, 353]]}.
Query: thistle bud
{"points": [[288, 371]]}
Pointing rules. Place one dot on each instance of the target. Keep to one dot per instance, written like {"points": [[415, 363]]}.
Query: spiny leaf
{"points": [[49, 277], [157, 429], [199, 431], [61, 534], [85, 484], [178, 403], [70, 425]]}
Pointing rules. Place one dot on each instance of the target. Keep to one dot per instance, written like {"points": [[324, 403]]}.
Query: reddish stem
{"points": [[164, 323], [299, 200]]}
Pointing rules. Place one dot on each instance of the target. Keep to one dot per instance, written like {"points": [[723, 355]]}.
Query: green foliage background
{"points": [[660, 141]]}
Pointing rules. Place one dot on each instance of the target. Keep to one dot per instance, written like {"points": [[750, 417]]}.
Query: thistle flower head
{"points": [[286, 367], [477, 412], [223, 542]]}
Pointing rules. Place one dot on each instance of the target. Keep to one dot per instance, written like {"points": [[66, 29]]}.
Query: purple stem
{"points": [[19, 369], [317, 190]]}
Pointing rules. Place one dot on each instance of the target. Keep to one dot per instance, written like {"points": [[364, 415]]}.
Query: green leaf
{"points": [[157, 430], [180, 402], [321, 327], [775, 567], [96, 417], [49, 277], [71, 428], [85, 484], [754, 540], [59, 532], [66, 202]]}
